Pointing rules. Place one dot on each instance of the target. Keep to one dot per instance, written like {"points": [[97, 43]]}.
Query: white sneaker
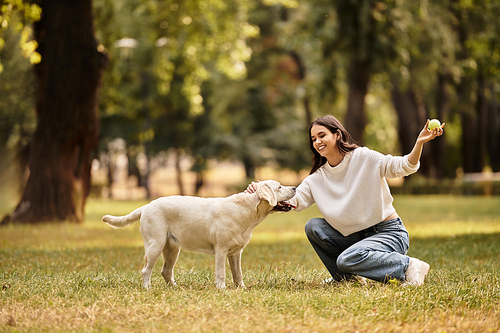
{"points": [[416, 272]]}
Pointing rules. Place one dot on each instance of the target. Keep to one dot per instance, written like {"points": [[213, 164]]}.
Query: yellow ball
{"points": [[434, 123]]}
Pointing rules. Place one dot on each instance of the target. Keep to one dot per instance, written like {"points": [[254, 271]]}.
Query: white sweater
{"points": [[354, 195]]}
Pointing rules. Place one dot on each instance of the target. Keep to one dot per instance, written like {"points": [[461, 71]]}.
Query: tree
{"points": [[17, 119], [19, 15], [68, 78], [420, 78], [17, 90], [478, 54], [180, 47]]}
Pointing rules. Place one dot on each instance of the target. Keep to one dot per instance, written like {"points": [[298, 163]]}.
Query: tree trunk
{"points": [[472, 161], [302, 75], [482, 121], [200, 181], [443, 109], [178, 171], [110, 169], [494, 129], [250, 168], [68, 80], [355, 118], [412, 115]]}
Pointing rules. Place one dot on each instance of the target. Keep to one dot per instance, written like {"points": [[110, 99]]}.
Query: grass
{"points": [[86, 278]]}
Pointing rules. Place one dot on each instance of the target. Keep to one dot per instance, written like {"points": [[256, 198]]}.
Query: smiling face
{"points": [[325, 142], [329, 148]]}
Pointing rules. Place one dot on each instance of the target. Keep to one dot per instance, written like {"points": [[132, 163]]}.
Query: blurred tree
{"points": [[263, 123], [412, 45], [346, 43], [126, 29], [17, 88], [17, 114], [309, 30], [202, 42], [419, 76], [368, 40], [241, 79], [198, 52], [68, 78], [478, 54], [17, 15]]}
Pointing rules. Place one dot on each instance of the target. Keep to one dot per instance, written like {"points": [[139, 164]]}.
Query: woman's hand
{"points": [[252, 188], [427, 135]]}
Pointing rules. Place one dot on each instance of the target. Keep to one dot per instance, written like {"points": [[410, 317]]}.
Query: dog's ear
{"points": [[266, 193]]}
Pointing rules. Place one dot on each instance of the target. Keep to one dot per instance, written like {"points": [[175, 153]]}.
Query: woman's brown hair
{"points": [[345, 143]]}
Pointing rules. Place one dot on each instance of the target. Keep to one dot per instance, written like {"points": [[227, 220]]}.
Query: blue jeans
{"points": [[377, 253]]}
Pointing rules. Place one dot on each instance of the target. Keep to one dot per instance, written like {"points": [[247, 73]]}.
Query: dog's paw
{"points": [[221, 285]]}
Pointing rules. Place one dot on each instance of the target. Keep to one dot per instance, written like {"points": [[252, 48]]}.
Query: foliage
{"points": [[190, 84], [16, 93], [17, 99], [16, 85], [87, 278], [19, 14], [240, 79]]}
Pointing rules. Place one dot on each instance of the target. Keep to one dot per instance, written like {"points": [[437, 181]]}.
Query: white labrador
{"points": [[217, 226]]}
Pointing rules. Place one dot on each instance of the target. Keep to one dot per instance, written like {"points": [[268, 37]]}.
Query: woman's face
{"points": [[324, 141]]}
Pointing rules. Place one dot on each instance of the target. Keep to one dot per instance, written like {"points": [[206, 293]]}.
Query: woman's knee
{"points": [[313, 225], [349, 259]]}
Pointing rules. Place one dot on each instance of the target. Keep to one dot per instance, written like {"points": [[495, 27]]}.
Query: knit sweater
{"points": [[354, 195]]}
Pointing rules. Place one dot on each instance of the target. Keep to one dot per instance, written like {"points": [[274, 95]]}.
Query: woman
{"points": [[360, 232]]}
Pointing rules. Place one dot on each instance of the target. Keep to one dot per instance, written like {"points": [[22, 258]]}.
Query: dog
{"points": [[218, 226]]}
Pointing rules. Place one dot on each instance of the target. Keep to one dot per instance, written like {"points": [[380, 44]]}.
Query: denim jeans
{"points": [[377, 253]]}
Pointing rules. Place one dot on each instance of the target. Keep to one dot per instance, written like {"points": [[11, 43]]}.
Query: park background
{"points": [[106, 104], [149, 85]]}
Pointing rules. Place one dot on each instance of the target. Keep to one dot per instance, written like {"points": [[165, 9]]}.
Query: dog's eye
{"points": [[279, 187]]}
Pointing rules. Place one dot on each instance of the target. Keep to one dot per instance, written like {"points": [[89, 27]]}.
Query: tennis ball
{"points": [[434, 123]]}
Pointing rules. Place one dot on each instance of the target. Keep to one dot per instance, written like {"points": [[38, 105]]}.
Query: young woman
{"points": [[360, 232]]}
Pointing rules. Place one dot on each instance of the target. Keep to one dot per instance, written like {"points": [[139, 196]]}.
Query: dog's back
{"points": [[198, 223]]}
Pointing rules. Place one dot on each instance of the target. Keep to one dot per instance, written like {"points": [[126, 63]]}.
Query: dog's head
{"points": [[276, 195]]}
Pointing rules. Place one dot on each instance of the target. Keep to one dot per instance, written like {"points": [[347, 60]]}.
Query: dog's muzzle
{"points": [[283, 206]]}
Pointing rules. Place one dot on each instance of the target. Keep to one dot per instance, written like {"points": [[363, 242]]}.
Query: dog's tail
{"points": [[123, 221]]}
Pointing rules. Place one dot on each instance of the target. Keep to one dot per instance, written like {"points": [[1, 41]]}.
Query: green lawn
{"points": [[86, 278]]}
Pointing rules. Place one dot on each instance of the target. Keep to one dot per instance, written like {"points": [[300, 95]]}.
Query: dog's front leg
{"points": [[220, 268], [235, 264]]}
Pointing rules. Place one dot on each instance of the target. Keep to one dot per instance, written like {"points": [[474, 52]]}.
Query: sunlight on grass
{"points": [[426, 216], [67, 277]]}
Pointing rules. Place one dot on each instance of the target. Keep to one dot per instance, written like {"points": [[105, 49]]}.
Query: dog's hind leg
{"points": [[153, 250], [170, 255], [235, 264]]}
